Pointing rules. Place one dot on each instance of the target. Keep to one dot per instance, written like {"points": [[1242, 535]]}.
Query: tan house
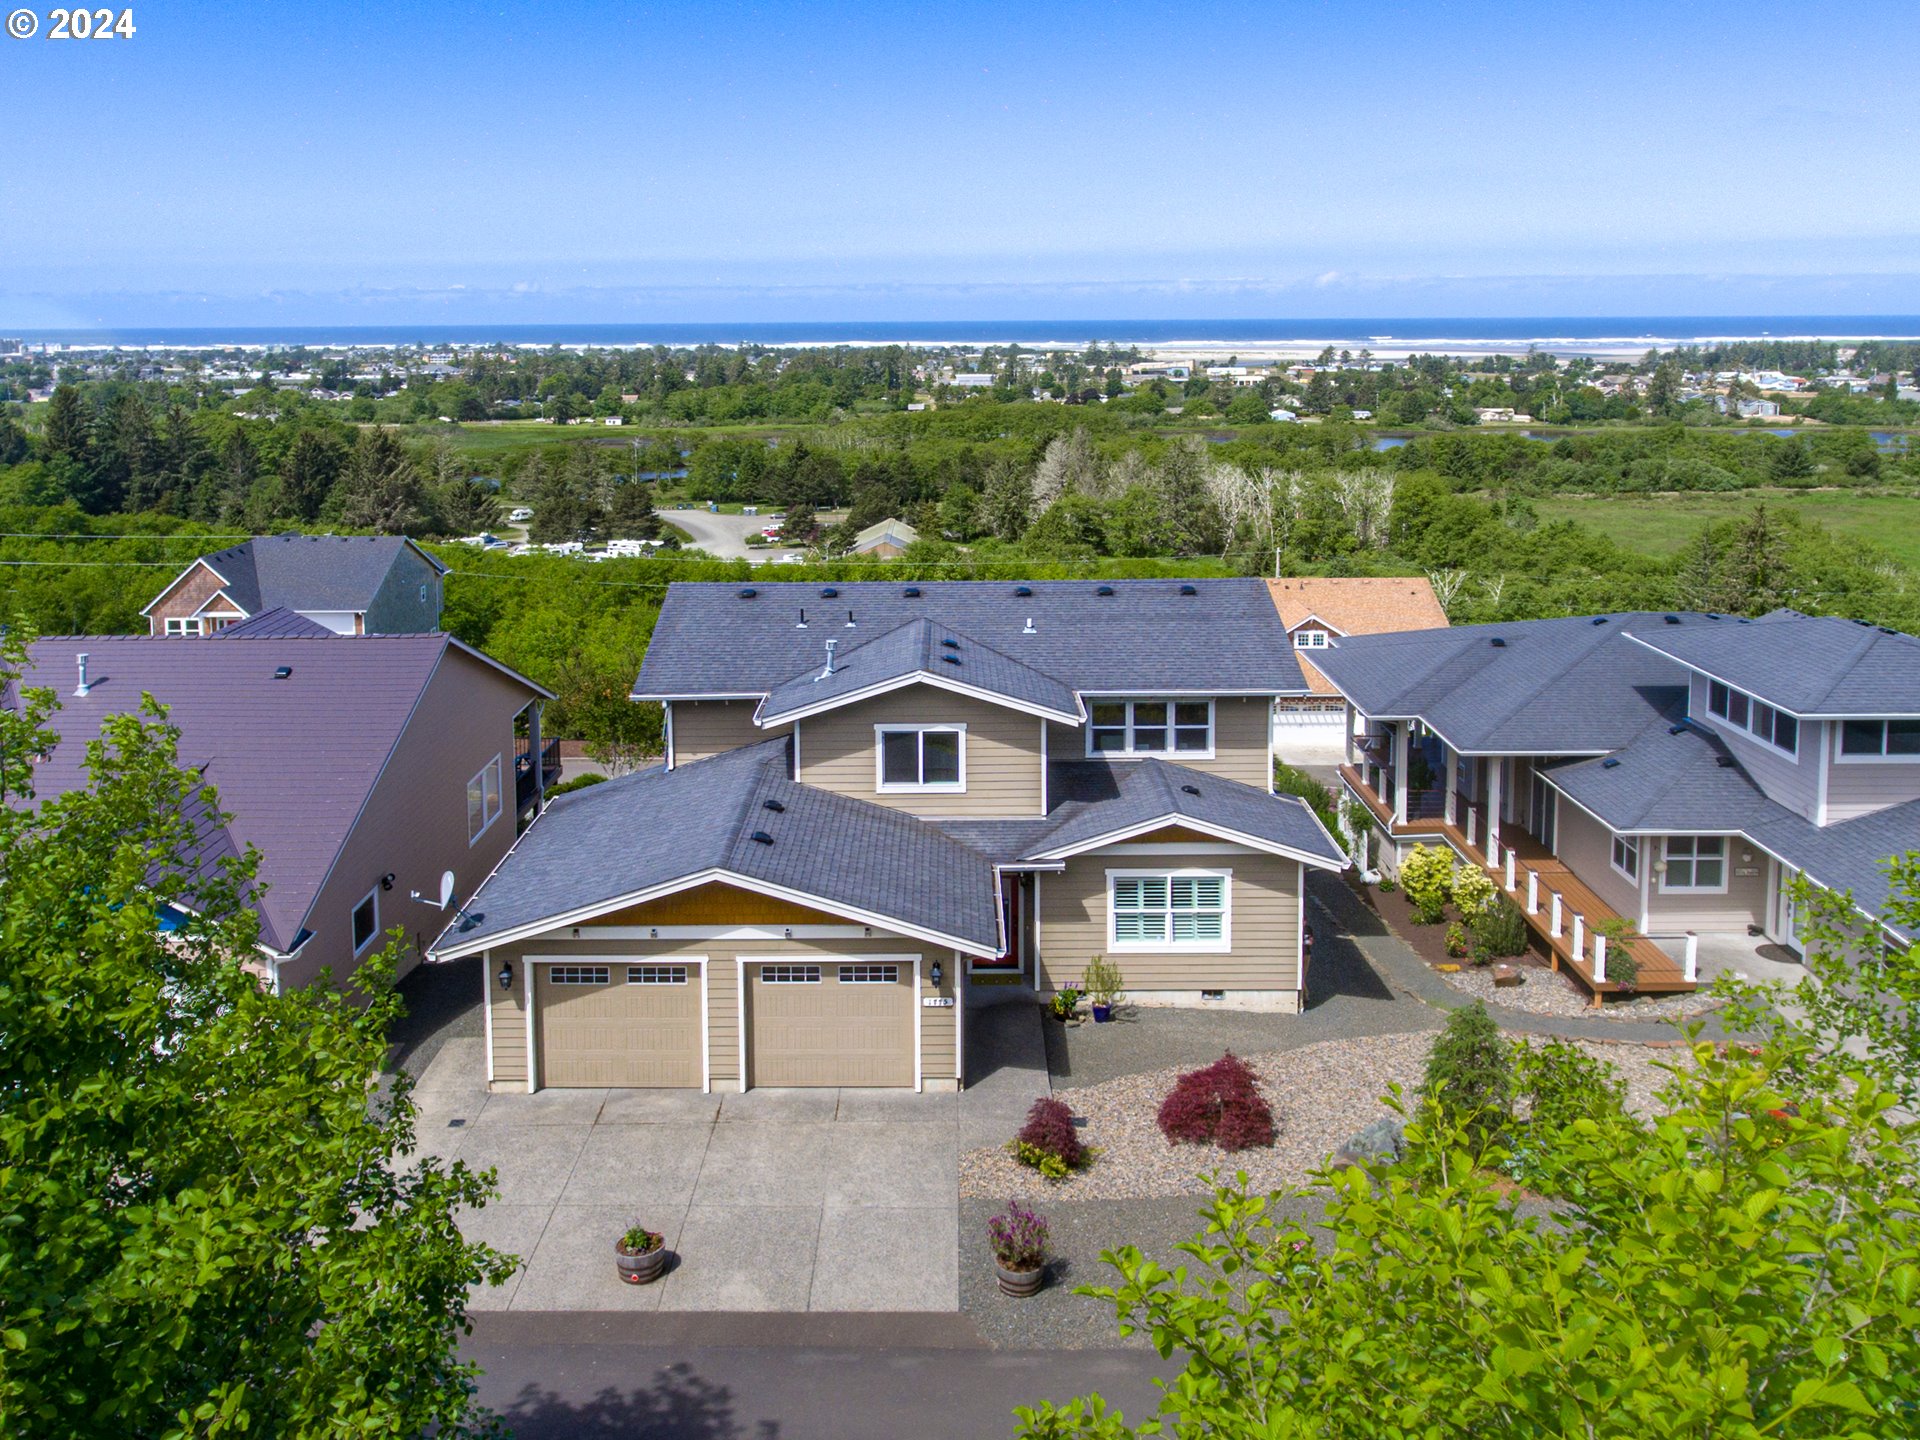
{"points": [[878, 797], [884, 539], [364, 769], [1317, 610], [346, 584]]}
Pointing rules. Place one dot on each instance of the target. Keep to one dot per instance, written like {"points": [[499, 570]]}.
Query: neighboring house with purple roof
{"points": [[346, 584], [361, 768]]}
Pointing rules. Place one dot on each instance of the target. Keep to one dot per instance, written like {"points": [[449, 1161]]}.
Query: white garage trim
{"points": [[960, 1024], [740, 1000], [918, 961], [486, 1005], [610, 961], [911, 963], [730, 932]]}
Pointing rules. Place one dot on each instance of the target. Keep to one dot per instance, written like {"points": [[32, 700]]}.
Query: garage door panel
{"points": [[833, 1030], [595, 1031]]}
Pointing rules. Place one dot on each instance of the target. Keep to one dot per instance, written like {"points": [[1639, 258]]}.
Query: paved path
{"points": [[570, 1380], [724, 536]]}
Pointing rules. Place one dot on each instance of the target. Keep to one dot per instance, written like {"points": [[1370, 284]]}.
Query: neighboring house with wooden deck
{"points": [[362, 768], [347, 584], [1677, 771], [878, 796], [1320, 609]]}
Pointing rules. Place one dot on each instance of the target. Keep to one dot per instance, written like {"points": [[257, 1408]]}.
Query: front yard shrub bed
{"points": [[1049, 1141], [1219, 1104]]}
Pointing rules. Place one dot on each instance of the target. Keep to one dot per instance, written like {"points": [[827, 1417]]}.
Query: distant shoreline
{"points": [[1386, 337]]}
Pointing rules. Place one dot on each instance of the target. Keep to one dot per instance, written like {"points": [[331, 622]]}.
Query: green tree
{"points": [[311, 470], [206, 1224], [381, 488], [1007, 504], [630, 515]]}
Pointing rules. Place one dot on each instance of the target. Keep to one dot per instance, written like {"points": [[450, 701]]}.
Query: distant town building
{"points": [[885, 540]]}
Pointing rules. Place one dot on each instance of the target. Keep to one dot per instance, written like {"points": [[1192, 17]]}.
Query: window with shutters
{"points": [[1169, 910], [1150, 727]]}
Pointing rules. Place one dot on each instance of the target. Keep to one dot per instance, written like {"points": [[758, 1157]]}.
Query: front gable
{"points": [[714, 903], [198, 590]]}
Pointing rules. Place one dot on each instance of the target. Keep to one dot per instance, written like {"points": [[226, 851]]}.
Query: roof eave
{"points": [[1121, 834], [918, 677]]}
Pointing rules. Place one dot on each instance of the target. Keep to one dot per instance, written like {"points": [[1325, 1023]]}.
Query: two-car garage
{"points": [[679, 1022]]}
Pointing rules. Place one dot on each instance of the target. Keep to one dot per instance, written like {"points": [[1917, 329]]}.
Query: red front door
{"points": [[1010, 917]]}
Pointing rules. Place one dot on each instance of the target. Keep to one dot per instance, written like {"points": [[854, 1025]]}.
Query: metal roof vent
{"points": [[1671, 619], [912, 592], [1189, 590], [1023, 591], [828, 593], [824, 674], [1612, 762], [951, 659], [281, 672], [1029, 630], [951, 643], [83, 687], [1498, 642], [748, 593], [760, 837], [1598, 620], [775, 806], [1104, 590], [1190, 789]]}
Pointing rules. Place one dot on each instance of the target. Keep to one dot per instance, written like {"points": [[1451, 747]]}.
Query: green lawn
{"points": [[1661, 524]]}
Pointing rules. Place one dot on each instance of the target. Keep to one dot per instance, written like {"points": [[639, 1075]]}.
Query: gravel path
{"points": [[1321, 1094], [1550, 992]]}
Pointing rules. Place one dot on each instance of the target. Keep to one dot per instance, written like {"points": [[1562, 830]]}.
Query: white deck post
{"points": [[1512, 880], [1599, 959], [1579, 934], [1495, 806], [1470, 824], [1400, 759], [1453, 784], [1533, 892], [1554, 928], [1691, 970]]}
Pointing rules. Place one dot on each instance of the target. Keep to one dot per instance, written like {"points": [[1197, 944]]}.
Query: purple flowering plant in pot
{"points": [[640, 1255], [1019, 1241]]}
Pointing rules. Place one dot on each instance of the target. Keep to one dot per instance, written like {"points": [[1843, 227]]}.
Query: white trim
{"points": [[1311, 618], [582, 914], [730, 932], [1036, 931], [1826, 757], [500, 797], [706, 1028], [740, 997], [1616, 839], [959, 1024], [612, 959], [486, 1005], [1170, 946], [1666, 863], [1299, 930], [900, 682], [1147, 827], [1882, 756], [373, 934], [908, 963], [532, 1013], [1177, 847], [919, 1079], [1646, 882], [1043, 767], [198, 561], [1171, 754], [1744, 728], [667, 726], [884, 728], [795, 752], [718, 695]]}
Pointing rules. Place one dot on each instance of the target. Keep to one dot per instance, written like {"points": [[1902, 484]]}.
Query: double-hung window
{"points": [[1756, 717], [1151, 727], [1169, 910], [484, 802], [1880, 739], [1695, 862], [1626, 856], [920, 757]]}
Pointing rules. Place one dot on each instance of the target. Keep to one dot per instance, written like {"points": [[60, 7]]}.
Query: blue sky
{"points": [[254, 164]]}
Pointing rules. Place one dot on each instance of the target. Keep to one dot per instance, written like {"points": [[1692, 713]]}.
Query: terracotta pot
{"points": [[1019, 1282], [1102, 1014], [640, 1269]]}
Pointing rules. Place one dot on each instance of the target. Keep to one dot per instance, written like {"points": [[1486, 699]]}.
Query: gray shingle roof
{"points": [[292, 759], [1680, 779], [920, 648], [1550, 687], [1095, 799], [597, 845], [277, 621], [1146, 636], [309, 572], [1808, 665]]}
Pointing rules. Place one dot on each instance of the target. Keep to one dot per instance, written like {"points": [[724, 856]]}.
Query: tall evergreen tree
{"points": [[381, 488]]}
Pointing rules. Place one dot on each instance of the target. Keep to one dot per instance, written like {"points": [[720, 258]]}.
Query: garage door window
{"points": [[869, 974], [577, 974], [789, 974], [656, 975]]}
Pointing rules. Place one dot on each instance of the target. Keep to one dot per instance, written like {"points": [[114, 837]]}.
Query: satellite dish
{"points": [[446, 889]]}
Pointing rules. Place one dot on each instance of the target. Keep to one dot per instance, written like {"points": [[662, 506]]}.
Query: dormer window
{"points": [[1151, 727], [1759, 719], [1310, 640], [921, 757]]}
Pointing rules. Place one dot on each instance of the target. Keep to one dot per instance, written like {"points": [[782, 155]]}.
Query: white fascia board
{"points": [[1219, 832], [580, 915], [917, 677], [168, 589], [1700, 669], [715, 695]]}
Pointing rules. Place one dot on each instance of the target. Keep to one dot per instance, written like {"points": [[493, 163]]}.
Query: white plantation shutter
{"points": [[1139, 907], [1176, 909]]}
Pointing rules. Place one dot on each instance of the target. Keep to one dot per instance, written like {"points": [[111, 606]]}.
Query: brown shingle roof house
{"points": [[1320, 609], [363, 768]]}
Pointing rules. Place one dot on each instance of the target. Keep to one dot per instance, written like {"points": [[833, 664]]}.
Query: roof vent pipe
{"points": [[827, 673], [803, 619], [83, 687], [1029, 630], [849, 619]]}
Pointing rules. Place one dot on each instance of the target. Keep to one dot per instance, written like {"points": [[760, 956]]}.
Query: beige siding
{"points": [[1585, 845], [1264, 922], [415, 824], [1744, 904], [723, 1019], [838, 752], [939, 1026], [1792, 782], [509, 1022], [1859, 787], [1242, 733], [711, 727]]}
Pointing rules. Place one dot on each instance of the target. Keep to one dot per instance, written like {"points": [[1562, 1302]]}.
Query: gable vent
{"points": [[1612, 762], [775, 806], [760, 837], [1104, 590], [1188, 590]]}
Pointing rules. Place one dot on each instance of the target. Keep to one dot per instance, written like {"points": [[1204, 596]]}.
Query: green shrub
{"points": [[1474, 892], [1499, 932], [1427, 877], [1470, 1072], [578, 782], [1560, 1083], [1623, 969], [1457, 941], [1103, 981], [1289, 781]]}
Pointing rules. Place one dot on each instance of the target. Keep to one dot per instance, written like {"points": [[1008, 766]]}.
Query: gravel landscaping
{"points": [[1321, 1095], [1549, 992]]}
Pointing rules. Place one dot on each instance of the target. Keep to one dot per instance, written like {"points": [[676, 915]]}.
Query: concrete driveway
{"points": [[724, 536], [788, 1200]]}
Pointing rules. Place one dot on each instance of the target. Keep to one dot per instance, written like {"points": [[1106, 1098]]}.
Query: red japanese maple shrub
{"points": [[1048, 1141], [1219, 1105]]}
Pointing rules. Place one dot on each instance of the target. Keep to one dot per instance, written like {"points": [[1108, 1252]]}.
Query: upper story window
{"points": [[1626, 856], [1880, 740], [1151, 727], [1695, 862], [484, 802], [366, 921], [1168, 909], [920, 757], [1310, 640], [1759, 719], [177, 625]]}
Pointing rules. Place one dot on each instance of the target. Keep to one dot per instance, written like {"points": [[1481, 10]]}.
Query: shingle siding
{"points": [[1003, 764], [396, 607]]}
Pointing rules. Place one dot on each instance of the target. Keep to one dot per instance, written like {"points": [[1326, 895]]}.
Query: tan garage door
{"points": [[621, 1023], [847, 1022]]}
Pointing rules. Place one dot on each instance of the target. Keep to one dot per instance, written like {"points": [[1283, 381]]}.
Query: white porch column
{"points": [[1351, 755], [1452, 763], [1399, 771], [1690, 970], [1599, 959], [1579, 934], [1533, 892], [1553, 927], [1513, 881], [1493, 811]]}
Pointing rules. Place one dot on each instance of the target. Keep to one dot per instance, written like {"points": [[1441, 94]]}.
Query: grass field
{"points": [[1661, 524]]}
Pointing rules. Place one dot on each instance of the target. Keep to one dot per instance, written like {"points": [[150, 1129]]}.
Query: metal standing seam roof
{"points": [[1563, 686], [1810, 666], [1146, 636], [920, 649], [309, 572], [1679, 779], [643, 831], [293, 759]]}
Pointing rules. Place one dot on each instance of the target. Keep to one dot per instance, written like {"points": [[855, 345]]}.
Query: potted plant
{"points": [[1019, 1241], [1065, 1004], [1103, 987], [640, 1255]]}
